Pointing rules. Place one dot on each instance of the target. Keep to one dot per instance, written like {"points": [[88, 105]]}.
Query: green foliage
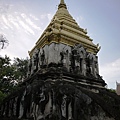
{"points": [[5, 69], [20, 66], [112, 90], [2, 96], [11, 73], [6, 72]]}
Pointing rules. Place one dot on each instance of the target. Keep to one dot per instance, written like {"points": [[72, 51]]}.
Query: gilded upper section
{"points": [[64, 29], [62, 5]]}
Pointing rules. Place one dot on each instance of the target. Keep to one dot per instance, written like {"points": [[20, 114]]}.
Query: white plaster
{"points": [[48, 106], [69, 111], [20, 111], [21, 105], [63, 106]]}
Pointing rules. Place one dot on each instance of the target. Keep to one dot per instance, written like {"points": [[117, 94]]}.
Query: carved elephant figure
{"points": [[79, 59], [93, 64]]}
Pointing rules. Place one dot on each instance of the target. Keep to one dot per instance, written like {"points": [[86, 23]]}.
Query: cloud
{"points": [[33, 17], [6, 21], [13, 20], [26, 27], [29, 22], [4, 8], [111, 72], [79, 19], [48, 16], [42, 16], [20, 29]]}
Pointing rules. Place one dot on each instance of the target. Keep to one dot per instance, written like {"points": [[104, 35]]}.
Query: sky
{"points": [[23, 21]]}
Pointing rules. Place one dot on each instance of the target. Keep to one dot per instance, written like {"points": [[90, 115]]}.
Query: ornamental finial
{"points": [[62, 4]]}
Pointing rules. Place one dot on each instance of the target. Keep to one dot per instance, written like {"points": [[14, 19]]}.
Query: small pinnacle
{"points": [[62, 4]]}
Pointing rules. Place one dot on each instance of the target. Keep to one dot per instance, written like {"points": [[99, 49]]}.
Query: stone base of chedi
{"points": [[69, 88], [63, 78]]}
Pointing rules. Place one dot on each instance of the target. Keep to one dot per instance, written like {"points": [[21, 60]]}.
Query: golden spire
{"points": [[62, 2], [64, 25], [62, 5]]}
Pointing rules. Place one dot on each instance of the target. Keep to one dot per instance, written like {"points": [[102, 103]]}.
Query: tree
{"points": [[11, 74], [5, 67], [20, 66], [3, 42], [5, 71], [6, 74], [2, 96]]}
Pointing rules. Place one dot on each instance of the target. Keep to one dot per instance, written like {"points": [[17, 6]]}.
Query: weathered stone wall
{"points": [[63, 84], [56, 99], [75, 59]]}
